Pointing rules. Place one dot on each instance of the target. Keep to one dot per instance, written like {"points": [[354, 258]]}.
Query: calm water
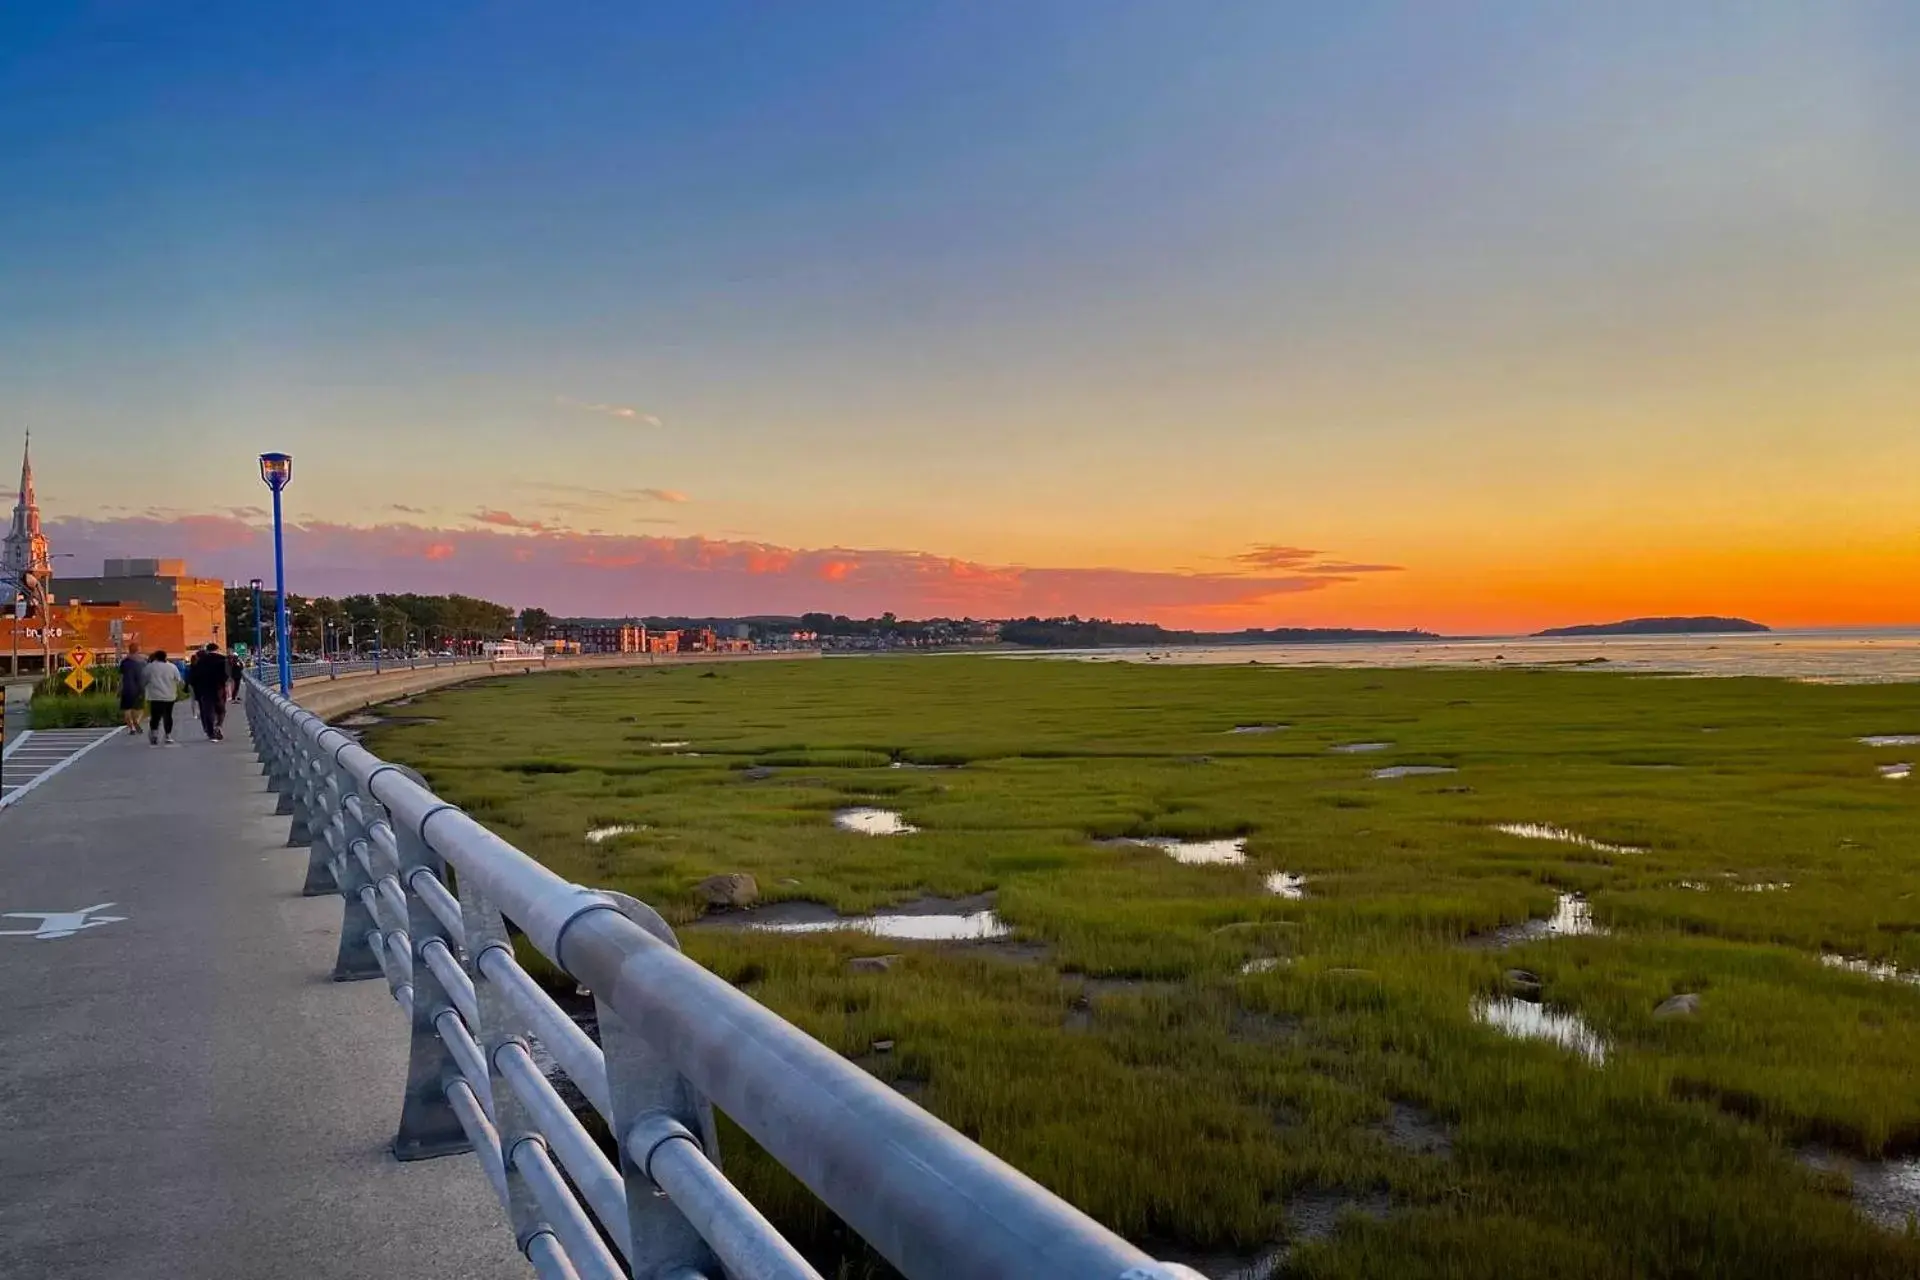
{"points": [[1837, 656]]}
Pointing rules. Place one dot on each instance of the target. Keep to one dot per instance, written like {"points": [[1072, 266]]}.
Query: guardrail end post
{"points": [[642, 1084]]}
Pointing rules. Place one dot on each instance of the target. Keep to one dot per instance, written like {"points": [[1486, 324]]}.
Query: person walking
{"points": [[133, 690], [162, 683], [236, 671], [207, 677]]}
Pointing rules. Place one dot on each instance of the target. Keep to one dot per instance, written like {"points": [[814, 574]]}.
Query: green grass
{"points": [[1191, 1103], [74, 710]]}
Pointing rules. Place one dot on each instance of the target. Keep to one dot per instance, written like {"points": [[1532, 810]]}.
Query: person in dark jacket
{"points": [[236, 669], [133, 694], [207, 677]]}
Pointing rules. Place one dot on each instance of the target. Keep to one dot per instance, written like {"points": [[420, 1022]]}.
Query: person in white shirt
{"points": [[162, 683]]}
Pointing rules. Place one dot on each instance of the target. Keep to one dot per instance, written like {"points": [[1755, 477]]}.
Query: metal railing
{"points": [[675, 1041]]}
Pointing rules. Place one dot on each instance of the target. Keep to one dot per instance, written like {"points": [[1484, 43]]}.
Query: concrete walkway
{"points": [[183, 1092]]}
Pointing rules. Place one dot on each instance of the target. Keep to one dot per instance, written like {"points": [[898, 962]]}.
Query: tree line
{"points": [[396, 621]]}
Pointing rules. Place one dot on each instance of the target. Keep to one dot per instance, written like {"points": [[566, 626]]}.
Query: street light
{"points": [[276, 469], [259, 655]]}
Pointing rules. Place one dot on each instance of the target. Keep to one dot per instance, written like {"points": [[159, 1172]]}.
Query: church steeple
{"points": [[25, 546]]}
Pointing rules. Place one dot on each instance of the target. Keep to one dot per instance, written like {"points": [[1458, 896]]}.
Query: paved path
{"points": [[183, 1092]]}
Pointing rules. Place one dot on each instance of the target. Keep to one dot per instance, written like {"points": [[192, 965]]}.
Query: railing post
{"points": [[428, 1125], [355, 960], [321, 851], [645, 1087], [485, 928]]}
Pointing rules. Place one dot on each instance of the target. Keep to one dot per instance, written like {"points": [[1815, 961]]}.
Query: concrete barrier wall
{"points": [[331, 699]]}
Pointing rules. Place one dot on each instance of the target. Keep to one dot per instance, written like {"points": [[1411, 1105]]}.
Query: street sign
{"points": [[78, 657], [79, 680]]}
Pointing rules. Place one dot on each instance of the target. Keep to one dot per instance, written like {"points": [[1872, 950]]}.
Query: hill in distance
{"points": [[1658, 627]]}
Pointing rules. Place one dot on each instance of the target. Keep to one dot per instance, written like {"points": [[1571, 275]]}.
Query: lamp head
{"points": [[276, 469]]}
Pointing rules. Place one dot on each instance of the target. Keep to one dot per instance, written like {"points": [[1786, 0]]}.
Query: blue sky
{"points": [[1115, 285]]}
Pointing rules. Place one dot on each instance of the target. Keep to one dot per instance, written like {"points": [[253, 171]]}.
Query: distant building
{"points": [[584, 636], [154, 587]]}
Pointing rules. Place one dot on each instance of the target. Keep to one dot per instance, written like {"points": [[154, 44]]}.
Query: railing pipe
{"points": [[590, 1255], [571, 1047], [466, 1055], [440, 900], [744, 1241], [458, 985], [599, 1182]]}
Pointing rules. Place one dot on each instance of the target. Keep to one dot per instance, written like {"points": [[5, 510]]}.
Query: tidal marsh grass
{"points": [[1113, 1048]]}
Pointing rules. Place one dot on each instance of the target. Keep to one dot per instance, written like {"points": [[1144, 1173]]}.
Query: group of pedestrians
{"points": [[157, 683]]}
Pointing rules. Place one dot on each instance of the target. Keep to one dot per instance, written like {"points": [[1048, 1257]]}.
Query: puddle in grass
{"points": [[1287, 885], [1413, 770], [1257, 728], [1572, 918], [1895, 772], [1541, 831], [1878, 970], [873, 822], [1892, 740], [1764, 886], [1262, 964], [1524, 1020], [598, 834], [1357, 748], [1311, 1216], [1212, 853], [668, 746], [1887, 1192], [909, 764], [927, 920]]}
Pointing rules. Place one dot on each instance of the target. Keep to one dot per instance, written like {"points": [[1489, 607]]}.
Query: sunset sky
{"points": [[1476, 317]]}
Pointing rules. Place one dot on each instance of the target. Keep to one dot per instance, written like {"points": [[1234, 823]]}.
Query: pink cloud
{"points": [[527, 562]]}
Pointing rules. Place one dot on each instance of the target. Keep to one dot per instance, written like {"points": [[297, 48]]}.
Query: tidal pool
{"points": [[1541, 831], [1878, 970], [1892, 740], [971, 926], [873, 822], [1885, 1191], [1287, 885], [1413, 770], [1257, 728], [597, 834], [1216, 853], [1524, 1020], [1355, 748], [1895, 772], [665, 746], [1572, 918]]}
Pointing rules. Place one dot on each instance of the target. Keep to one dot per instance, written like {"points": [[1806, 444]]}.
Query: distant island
{"points": [[1096, 633], [1656, 627]]}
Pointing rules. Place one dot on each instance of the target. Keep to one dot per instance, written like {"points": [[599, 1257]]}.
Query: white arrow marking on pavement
{"points": [[58, 924]]}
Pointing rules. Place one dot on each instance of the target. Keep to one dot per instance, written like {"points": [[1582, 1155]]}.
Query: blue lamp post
{"points": [[259, 657], [277, 470]]}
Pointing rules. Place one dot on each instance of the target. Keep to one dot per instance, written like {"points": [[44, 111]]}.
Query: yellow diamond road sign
{"points": [[79, 680]]}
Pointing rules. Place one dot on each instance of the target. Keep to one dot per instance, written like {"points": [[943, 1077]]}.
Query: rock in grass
{"points": [[871, 964], [735, 889], [1684, 1005]]}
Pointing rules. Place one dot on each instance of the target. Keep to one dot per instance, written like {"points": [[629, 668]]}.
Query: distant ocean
{"points": [[1837, 657]]}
